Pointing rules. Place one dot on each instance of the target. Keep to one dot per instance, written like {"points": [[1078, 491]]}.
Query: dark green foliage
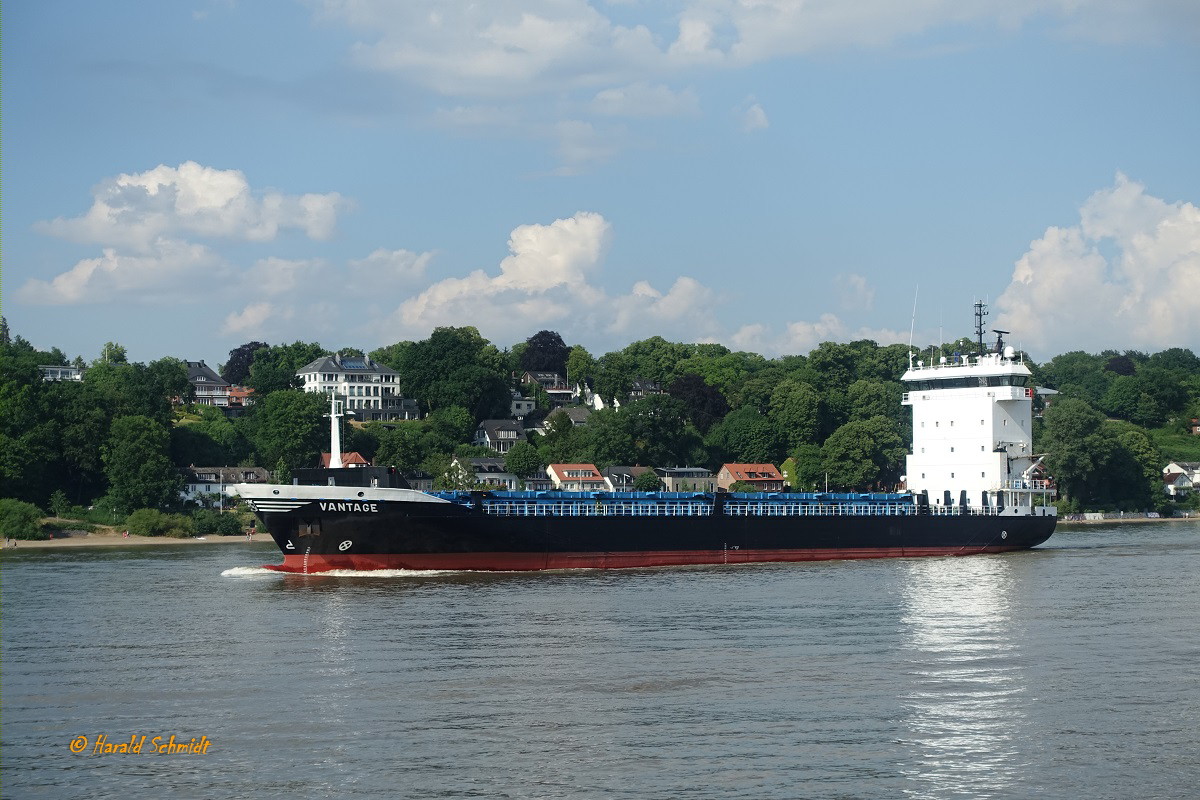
{"points": [[647, 482], [864, 454], [805, 469], [292, 427], [237, 368], [744, 436], [704, 405], [150, 522], [455, 367], [206, 522], [402, 446], [523, 460], [52, 435], [20, 520], [137, 462], [796, 411], [545, 351], [274, 369]]}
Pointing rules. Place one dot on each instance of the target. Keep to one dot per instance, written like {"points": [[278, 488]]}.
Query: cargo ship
{"points": [[973, 485]]}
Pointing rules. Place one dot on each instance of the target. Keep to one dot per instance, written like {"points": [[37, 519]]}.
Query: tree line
{"points": [[118, 439]]}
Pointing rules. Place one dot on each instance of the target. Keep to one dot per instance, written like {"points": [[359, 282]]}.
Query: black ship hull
{"points": [[448, 536]]}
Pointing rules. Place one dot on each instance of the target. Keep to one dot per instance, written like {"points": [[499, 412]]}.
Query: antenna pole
{"points": [[980, 313]]}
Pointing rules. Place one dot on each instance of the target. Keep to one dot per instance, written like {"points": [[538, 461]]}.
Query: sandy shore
{"points": [[98, 539]]}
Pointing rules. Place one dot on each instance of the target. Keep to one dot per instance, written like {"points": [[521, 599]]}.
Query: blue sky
{"points": [[769, 174]]}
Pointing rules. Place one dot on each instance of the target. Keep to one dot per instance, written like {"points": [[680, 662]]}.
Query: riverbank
{"points": [[1127, 518], [114, 539]]}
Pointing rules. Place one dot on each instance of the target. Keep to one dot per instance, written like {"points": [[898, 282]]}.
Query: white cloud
{"points": [[550, 280], [169, 269], [141, 221], [645, 100], [855, 292], [134, 211], [494, 49], [1128, 276], [250, 320], [754, 119], [509, 49]]}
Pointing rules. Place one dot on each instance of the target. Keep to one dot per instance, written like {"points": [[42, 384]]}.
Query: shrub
{"points": [[149, 522], [214, 522], [20, 520]]}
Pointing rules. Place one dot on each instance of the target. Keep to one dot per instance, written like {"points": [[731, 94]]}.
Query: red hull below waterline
{"points": [[528, 562]]}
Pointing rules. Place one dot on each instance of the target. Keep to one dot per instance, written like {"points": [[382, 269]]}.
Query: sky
{"points": [[185, 177]]}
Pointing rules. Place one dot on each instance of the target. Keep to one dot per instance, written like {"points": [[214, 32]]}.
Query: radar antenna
{"points": [[999, 339]]}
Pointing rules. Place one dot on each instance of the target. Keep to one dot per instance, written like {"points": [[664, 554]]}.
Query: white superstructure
{"points": [[972, 433]]}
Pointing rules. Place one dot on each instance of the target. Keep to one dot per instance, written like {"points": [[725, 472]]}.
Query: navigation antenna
{"points": [[980, 313]]}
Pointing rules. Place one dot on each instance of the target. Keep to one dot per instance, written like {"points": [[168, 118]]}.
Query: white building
{"points": [[972, 422], [367, 388]]}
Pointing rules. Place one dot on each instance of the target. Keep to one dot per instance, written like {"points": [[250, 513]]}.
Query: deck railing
{"points": [[731, 509]]}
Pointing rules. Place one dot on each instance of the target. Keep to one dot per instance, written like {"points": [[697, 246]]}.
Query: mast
{"points": [[335, 434], [980, 313]]}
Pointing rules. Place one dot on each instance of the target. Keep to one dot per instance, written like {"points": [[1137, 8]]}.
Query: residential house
{"points": [[577, 478], [499, 434], [687, 479], [1176, 485], [644, 388], [763, 477], [206, 485], [621, 478], [554, 384], [60, 372], [368, 388], [489, 472], [208, 388], [240, 397], [521, 405], [349, 460], [1181, 477]]}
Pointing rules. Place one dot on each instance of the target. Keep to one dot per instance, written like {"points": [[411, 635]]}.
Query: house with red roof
{"points": [[577, 478], [763, 477]]}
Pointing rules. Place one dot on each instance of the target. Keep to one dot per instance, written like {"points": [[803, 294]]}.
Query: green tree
{"points": [[274, 368], [744, 436], [648, 481], [864, 453], [111, 353], [20, 520], [545, 351], [704, 405], [581, 367], [59, 504], [291, 426], [804, 470], [1080, 448], [137, 462], [237, 368], [796, 412], [403, 446], [456, 367], [523, 460]]}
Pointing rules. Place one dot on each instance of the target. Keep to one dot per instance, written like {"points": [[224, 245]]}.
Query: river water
{"points": [[1070, 671]]}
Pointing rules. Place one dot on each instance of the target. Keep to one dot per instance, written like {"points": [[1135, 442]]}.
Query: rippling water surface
{"points": [[1070, 671]]}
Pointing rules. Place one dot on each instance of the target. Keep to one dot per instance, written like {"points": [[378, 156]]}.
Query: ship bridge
{"points": [[972, 431]]}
